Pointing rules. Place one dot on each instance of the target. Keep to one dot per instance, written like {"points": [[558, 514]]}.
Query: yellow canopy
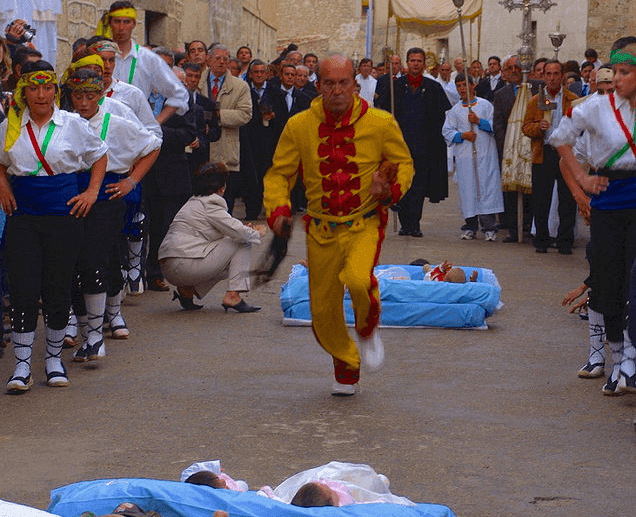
{"points": [[428, 17]]}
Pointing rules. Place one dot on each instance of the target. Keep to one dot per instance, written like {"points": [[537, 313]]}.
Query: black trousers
{"points": [[543, 177], [160, 210], [41, 253], [509, 216], [412, 204], [613, 234], [248, 186], [99, 266]]}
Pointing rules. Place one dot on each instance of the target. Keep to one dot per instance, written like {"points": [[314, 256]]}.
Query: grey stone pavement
{"points": [[490, 423]]}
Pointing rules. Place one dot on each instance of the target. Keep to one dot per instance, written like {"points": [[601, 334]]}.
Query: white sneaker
{"points": [[491, 236], [372, 350], [467, 235], [344, 390]]}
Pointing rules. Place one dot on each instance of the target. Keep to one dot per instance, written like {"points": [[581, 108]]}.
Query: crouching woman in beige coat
{"points": [[205, 245]]}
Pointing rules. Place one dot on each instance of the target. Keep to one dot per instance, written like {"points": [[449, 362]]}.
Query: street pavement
{"points": [[489, 423]]}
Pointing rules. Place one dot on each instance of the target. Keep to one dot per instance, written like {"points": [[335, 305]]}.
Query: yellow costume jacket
{"points": [[337, 161]]}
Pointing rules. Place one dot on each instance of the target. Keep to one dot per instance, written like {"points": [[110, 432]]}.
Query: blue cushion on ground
{"points": [[175, 499], [410, 303]]}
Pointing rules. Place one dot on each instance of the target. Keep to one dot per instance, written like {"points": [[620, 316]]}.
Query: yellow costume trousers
{"points": [[341, 256]]}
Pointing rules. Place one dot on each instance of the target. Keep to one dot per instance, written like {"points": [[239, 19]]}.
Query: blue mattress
{"points": [[175, 499], [409, 302]]}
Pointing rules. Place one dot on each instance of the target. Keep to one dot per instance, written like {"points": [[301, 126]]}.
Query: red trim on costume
{"points": [[396, 192], [307, 218], [281, 210], [340, 183], [569, 112], [344, 373], [374, 309]]}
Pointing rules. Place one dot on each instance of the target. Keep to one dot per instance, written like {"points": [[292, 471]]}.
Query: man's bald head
{"points": [[335, 60], [336, 83]]}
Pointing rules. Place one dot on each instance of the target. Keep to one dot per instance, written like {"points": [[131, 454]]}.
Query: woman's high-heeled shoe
{"points": [[241, 307], [186, 302]]}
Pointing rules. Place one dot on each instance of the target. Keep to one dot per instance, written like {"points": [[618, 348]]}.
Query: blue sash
{"points": [[44, 195], [134, 196], [84, 179]]}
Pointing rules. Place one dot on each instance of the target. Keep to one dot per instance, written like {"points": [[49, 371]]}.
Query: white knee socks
{"points": [[54, 342], [597, 337], [22, 346]]}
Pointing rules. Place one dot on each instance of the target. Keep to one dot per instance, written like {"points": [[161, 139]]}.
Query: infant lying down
{"points": [[210, 473], [446, 272], [333, 484]]}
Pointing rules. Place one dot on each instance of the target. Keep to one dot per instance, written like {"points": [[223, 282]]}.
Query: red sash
{"points": [[38, 151], [621, 122]]}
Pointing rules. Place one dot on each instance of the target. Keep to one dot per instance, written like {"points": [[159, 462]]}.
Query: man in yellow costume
{"points": [[355, 164]]}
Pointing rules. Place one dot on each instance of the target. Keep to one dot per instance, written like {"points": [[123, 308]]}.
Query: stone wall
{"points": [[251, 23], [609, 20], [173, 22]]}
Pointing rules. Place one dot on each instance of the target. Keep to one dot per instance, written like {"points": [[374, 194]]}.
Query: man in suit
{"points": [[208, 129], [303, 83], [287, 101], [233, 98], [504, 100], [420, 110], [382, 87], [256, 138], [538, 125], [487, 86], [311, 62]]}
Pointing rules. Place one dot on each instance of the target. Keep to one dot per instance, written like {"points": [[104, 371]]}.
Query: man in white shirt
{"points": [[141, 67], [311, 61], [121, 91], [366, 82], [458, 63], [445, 79]]}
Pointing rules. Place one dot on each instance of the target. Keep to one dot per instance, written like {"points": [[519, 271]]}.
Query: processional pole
{"points": [[458, 5], [526, 59]]}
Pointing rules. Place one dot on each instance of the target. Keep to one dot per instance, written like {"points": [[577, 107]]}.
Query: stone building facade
{"points": [[323, 26], [609, 20], [500, 29], [173, 22]]}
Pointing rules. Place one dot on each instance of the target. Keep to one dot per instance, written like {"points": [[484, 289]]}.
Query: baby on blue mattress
{"points": [[333, 484]]}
